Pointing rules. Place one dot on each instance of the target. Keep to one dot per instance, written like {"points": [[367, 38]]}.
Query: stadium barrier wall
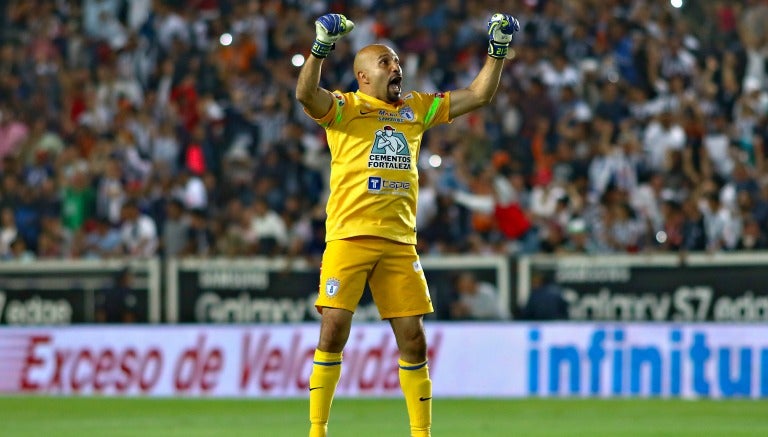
{"points": [[63, 292], [466, 360], [722, 287], [274, 290]]}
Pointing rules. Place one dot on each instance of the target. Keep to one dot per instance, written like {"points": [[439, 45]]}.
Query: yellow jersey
{"points": [[374, 149]]}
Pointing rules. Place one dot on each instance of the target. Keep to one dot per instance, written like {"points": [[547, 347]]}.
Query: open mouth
{"points": [[394, 84]]}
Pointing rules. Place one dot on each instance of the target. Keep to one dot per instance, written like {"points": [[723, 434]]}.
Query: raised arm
{"points": [[316, 100], [501, 27]]}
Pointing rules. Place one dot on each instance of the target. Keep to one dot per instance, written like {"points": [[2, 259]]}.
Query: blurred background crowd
{"points": [[169, 127]]}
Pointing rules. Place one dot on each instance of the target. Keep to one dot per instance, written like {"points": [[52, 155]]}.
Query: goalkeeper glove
{"points": [[501, 27], [329, 28]]}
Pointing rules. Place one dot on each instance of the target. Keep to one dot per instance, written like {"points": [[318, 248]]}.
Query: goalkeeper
{"points": [[371, 211]]}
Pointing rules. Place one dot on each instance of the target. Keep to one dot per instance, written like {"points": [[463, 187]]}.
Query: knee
{"points": [[334, 333], [331, 341], [413, 348]]}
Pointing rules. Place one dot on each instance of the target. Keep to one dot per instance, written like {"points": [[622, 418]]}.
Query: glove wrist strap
{"points": [[322, 49], [497, 50]]}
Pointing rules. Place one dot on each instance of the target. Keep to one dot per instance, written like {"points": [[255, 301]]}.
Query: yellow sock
{"points": [[326, 372], [417, 389]]}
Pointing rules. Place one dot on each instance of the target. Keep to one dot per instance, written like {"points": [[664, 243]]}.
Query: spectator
{"points": [[101, 240], [192, 190], [8, 231], [199, 236], [79, 198], [267, 230], [546, 301], [55, 239], [117, 303], [578, 240], [751, 237], [110, 192], [13, 133], [20, 252], [475, 299], [139, 232], [660, 138], [175, 230], [721, 225]]}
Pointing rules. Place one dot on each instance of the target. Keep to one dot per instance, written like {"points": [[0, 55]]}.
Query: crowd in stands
{"points": [[169, 127]]}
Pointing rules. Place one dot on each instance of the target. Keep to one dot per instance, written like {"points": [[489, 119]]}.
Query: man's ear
{"points": [[362, 77]]}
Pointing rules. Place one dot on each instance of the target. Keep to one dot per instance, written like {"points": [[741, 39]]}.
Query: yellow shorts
{"points": [[392, 269]]}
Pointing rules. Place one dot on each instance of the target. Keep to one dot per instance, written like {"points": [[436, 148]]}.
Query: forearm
{"points": [[315, 99], [487, 81], [481, 91]]}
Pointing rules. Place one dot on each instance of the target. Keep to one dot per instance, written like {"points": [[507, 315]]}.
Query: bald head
{"points": [[368, 55], [378, 73]]}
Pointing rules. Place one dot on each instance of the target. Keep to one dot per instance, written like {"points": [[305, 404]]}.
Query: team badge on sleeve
{"points": [[332, 287]]}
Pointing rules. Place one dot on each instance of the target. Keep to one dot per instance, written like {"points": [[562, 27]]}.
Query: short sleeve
{"points": [[438, 108], [334, 114]]}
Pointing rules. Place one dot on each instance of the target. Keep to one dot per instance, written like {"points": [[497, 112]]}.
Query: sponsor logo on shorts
{"points": [[332, 287], [417, 266]]}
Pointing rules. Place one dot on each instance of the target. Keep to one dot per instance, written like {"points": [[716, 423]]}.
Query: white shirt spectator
{"points": [[7, 235], [560, 74], [544, 199], [268, 224], [138, 13], [484, 304], [136, 167], [426, 208], [140, 236], [165, 149], [722, 227], [195, 193], [717, 145], [478, 300], [646, 200], [612, 167], [659, 140], [172, 26], [92, 13], [677, 61], [110, 193], [111, 31]]}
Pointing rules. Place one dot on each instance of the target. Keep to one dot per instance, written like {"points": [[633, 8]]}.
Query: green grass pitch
{"points": [[94, 416]]}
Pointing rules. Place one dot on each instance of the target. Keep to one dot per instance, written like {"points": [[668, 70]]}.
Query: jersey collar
{"points": [[374, 101]]}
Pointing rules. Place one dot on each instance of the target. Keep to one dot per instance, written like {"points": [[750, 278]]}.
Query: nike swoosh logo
{"points": [[366, 112], [314, 388], [422, 399]]}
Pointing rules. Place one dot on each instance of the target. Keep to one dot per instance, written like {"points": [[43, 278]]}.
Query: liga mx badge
{"points": [[332, 287]]}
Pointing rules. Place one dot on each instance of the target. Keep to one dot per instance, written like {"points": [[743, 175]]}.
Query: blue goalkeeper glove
{"points": [[329, 28], [501, 27]]}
